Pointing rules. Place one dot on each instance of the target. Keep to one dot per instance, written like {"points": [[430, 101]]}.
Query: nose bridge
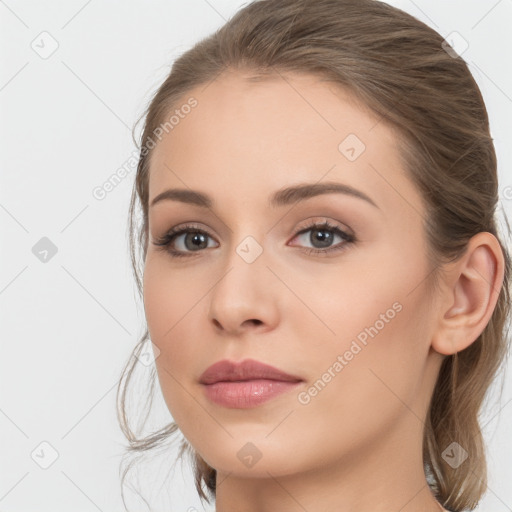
{"points": [[243, 292]]}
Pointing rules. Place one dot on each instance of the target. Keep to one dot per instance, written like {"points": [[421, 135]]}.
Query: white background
{"points": [[68, 325]]}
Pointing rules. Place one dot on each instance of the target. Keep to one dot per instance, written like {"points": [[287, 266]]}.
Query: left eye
{"points": [[322, 237]]}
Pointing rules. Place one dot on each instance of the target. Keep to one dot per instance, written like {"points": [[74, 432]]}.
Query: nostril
{"points": [[254, 321]]}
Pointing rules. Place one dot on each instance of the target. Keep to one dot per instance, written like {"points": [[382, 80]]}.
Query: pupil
{"points": [[197, 239], [322, 237]]}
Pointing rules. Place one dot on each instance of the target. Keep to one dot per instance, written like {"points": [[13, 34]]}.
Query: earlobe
{"points": [[470, 292]]}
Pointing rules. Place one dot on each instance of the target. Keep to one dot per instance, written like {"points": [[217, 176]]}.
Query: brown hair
{"points": [[401, 70]]}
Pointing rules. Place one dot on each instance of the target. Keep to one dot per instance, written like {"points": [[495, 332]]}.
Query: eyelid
{"points": [[317, 220], [181, 229]]}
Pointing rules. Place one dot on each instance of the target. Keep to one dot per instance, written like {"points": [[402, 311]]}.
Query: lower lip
{"points": [[245, 394]]}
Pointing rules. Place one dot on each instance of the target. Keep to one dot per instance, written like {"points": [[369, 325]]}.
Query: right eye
{"points": [[190, 239]]}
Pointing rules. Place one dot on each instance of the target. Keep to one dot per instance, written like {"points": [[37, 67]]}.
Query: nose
{"points": [[245, 298]]}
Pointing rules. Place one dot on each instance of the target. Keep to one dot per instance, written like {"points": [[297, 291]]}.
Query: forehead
{"points": [[255, 136]]}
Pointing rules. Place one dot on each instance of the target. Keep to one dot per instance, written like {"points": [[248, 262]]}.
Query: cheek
{"points": [[362, 300], [374, 385], [176, 309], [169, 307], [169, 297], [380, 326], [377, 356], [172, 304]]}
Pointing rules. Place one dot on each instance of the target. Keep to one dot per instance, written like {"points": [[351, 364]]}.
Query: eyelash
{"points": [[165, 241]]}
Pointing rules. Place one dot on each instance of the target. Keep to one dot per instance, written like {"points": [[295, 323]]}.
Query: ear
{"points": [[470, 290]]}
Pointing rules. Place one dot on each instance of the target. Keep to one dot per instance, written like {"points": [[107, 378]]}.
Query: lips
{"points": [[249, 369], [246, 384]]}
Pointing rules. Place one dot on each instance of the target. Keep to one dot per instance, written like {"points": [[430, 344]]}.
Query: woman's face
{"points": [[343, 308]]}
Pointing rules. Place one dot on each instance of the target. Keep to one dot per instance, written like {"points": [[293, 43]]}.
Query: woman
{"points": [[325, 287]]}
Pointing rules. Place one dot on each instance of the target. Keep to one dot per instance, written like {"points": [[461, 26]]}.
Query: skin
{"points": [[356, 446]]}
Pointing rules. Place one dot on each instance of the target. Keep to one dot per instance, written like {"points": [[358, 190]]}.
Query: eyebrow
{"points": [[282, 197]]}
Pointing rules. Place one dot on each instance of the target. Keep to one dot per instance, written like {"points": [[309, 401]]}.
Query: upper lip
{"points": [[247, 369]]}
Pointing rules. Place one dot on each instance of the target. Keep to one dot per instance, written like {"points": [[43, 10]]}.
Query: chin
{"points": [[253, 457]]}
